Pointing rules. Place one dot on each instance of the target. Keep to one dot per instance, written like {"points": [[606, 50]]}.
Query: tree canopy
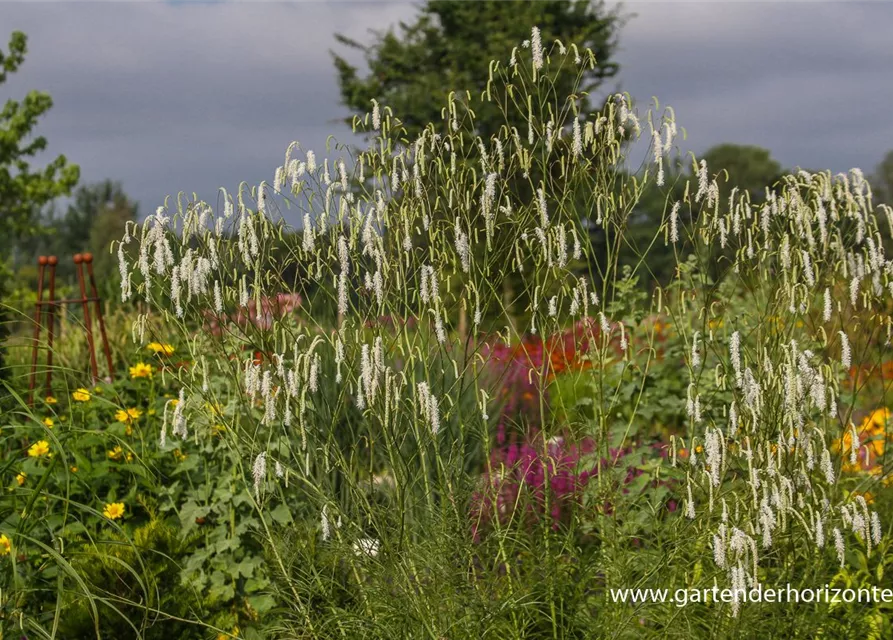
{"points": [[24, 190], [449, 48]]}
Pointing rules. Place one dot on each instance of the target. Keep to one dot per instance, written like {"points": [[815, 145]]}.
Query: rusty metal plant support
{"points": [[79, 260]]}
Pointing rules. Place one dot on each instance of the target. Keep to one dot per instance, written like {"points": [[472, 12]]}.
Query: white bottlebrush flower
{"points": [[309, 235], [577, 139], [218, 298], [125, 275], [702, 181], [536, 48], [543, 208], [875, 528], [366, 547], [719, 548], [342, 294], [261, 198], [376, 115], [735, 356], [674, 223], [826, 315], [259, 471], [462, 248], [428, 406], [313, 376], [827, 467], [179, 419], [839, 546], [819, 532], [279, 470], [324, 523], [713, 450], [846, 358], [690, 504]]}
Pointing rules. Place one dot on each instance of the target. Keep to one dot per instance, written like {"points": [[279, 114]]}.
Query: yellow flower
{"points": [[39, 449], [118, 453], [113, 510], [51, 400], [81, 395], [141, 370], [127, 416], [5, 545], [48, 422], [179, 456], [876, 421], [21, 478], [163, 349], [73, 468]]}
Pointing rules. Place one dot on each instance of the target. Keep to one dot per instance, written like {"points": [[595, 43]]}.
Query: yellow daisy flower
{"points": [[81, 395], [50, 400], [113, 510], [39, 449], [127, 415], [163, 349], [141, 370], [5, 545], [48, 422], [20, 478]]}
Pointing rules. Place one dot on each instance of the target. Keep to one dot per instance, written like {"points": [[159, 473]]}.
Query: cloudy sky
{"points": [[195, 95]]}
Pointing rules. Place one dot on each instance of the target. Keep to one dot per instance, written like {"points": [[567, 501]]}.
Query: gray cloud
{"points": [[192, 96]]}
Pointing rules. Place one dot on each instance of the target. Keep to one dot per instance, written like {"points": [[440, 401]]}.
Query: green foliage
{"points": [[140, 567], [882, 180], [449, 48], [342, 468], [23, 191]]}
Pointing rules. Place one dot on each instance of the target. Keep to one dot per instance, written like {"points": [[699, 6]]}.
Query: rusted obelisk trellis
{"points": [[79, 260]]}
